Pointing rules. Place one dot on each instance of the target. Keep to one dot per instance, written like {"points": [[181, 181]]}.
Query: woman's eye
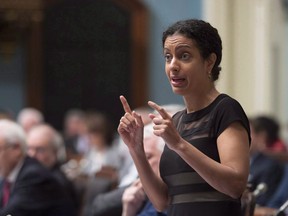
{"points": [[168, 57], [185, 56]]}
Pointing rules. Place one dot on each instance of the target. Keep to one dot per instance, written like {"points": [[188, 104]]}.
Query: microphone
{"points": [[260, 189], [281, 211]]}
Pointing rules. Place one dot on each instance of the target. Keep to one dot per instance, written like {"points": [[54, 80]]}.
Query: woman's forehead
{"points": [[178, 38]]}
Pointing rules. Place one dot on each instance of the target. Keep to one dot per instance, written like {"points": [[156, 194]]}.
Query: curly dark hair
{"points": [[206, 37]]}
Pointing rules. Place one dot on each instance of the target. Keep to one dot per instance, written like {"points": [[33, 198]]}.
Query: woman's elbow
{"points": [[236, 194], [237, 190], [161, 206]]}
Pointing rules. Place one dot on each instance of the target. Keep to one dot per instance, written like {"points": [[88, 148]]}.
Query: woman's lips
{"points": [[177, 82]]}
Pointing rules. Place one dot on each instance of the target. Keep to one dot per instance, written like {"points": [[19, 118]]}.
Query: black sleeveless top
{"points": [[190, 194]]}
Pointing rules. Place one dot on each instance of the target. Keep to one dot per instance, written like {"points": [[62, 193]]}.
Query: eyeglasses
{"points": [[4, 147], [39, 150]]}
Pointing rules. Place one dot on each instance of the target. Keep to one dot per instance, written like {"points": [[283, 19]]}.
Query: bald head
{"points": [[45, 144], [29, 117]]}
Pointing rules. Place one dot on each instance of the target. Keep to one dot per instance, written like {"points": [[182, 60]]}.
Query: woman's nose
{"points": [[174, 65]]}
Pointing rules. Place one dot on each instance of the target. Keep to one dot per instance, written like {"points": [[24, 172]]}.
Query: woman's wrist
{"points": [[137, 150], [180, 146]]}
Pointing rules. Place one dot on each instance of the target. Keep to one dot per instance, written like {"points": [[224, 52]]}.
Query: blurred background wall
{"points": [[161, 14], [255, 54], [254, 34]]}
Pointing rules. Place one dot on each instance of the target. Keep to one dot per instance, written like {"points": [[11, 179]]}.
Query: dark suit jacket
{"points": [[264, 169], [105, 204], [281, 195], [36, 192], [73, 196]]}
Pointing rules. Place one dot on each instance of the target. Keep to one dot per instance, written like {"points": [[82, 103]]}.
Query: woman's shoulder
{"points": [[226, 98], [227, 102], [229, 110]]}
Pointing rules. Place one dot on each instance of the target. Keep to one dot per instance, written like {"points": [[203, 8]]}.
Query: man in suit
{"points": [[263, 168], [28, 188], [45, 144]]}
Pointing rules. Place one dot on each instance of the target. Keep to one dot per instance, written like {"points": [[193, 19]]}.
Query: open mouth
{"points": [[177, 81]]}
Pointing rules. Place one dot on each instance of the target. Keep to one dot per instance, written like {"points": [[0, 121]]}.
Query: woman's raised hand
{"points": [[131, 126]]}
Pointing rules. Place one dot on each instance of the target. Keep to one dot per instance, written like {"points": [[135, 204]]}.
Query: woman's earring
{"points": [[210, 75]]}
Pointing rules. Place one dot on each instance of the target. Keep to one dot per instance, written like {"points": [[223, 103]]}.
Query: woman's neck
{"points": [[195, 102]]}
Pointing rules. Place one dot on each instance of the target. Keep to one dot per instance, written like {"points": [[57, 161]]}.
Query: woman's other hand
{"points": [[164, 127]]}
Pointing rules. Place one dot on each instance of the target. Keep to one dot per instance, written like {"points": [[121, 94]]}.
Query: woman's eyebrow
{"points": [[183, 46]]}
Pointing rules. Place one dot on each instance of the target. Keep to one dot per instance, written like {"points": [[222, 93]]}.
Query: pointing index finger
{"points": [[159, 109], [125, 104]]}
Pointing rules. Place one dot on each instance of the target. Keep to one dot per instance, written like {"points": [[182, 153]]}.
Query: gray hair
{"points": [[13, 133], [56, 140], [58, 144], [37, 115]]}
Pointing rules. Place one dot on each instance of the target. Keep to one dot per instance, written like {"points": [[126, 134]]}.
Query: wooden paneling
{"points": [[29, 18]]}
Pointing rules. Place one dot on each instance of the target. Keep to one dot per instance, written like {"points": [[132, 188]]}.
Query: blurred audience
{"points": [[29, 117], [278, 199], [281, 195], [27, 188], [100, 169], [110, 203], [268, 130], [134, 200], [264, 169], [103, 155], [75, 137], [46, 145]]}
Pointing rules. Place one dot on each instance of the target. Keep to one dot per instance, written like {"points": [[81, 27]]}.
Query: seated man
{"points": [[263, 168], [46, 145], [28, 188], [278, 200], [281, 195], [29, 117]]}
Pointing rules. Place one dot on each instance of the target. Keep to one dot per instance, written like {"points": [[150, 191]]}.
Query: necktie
{"points": [[6, 192]]}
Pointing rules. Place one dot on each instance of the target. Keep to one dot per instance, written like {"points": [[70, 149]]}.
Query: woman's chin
{"points": [[178, 91]]}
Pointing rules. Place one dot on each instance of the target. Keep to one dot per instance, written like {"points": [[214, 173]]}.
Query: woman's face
{"points": [[185, 68]]}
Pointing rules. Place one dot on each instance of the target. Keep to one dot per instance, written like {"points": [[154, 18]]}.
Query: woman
{"points": [[205, 164]]}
